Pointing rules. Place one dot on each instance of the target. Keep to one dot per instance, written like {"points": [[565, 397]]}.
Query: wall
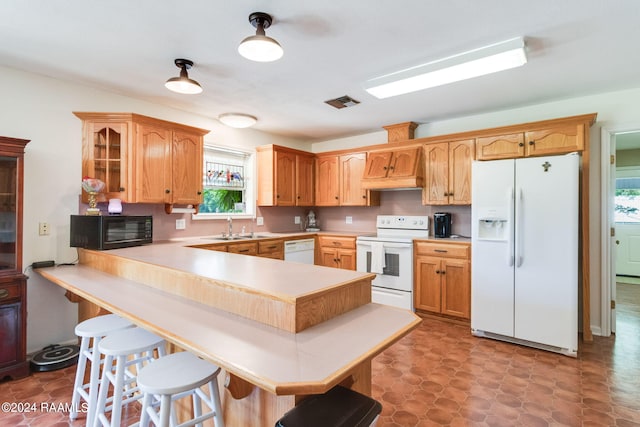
{"points": [[616, 110], [39, 109]]}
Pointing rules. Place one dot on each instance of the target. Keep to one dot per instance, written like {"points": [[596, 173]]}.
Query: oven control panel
{"points": [[403, 222]]}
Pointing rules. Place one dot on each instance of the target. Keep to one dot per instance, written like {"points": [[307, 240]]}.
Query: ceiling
{"points": [[575, 47]]}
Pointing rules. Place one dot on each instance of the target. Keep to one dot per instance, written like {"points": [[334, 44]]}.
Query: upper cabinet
{"points": [[340, 181], [394, 168], [285, 176], [142, 159], [448, 173], [556, 139]]}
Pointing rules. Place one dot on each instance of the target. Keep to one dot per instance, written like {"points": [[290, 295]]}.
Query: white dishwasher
{"points": [[299, 251]]}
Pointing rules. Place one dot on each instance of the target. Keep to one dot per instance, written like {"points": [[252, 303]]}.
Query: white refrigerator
{"points": [[524, 274]]}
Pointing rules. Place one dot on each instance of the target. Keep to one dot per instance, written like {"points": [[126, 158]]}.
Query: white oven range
{"points": [[389, 254]]}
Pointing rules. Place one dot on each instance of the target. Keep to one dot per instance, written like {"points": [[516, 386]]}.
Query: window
{"points": [[228, 185], [627, 199]]}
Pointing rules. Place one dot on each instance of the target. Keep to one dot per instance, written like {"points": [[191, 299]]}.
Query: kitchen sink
{"points": [[236, 237]]}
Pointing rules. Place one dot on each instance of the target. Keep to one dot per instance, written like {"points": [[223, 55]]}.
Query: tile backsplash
{"points": [[281, 219]]}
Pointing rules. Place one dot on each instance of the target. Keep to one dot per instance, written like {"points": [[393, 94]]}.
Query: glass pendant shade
{"points": [[260, 47], [183, 84]]}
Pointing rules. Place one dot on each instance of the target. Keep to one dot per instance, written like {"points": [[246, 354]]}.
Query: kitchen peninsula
{"points": [[279, 331]]}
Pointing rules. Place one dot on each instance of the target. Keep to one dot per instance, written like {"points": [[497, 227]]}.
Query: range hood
{"points": [[393, 169]]}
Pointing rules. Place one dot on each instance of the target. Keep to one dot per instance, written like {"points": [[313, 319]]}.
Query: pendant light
{"points": [[260, 48], [183, 84]]}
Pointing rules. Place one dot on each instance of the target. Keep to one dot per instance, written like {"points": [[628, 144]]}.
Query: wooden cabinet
{"points": [[168, 165], [558, 139], [443, 278], [448, 173], [142, 159], [394, 168], [339, 181], [245, 248], [337, 251], [285, 176], [271, 248], [13, 284], [268, 248]]}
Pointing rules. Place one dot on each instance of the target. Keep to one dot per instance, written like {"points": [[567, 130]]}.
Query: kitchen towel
{"points": [[377, 257]]}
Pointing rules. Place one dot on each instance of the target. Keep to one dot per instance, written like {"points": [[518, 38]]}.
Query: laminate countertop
{"points": [[282, 362]]}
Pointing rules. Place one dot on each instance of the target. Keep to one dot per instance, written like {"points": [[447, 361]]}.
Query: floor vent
{"points": [[342, 102]]}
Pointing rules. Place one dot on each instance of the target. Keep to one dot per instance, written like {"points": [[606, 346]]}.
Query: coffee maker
{"points": [[442, 224]]}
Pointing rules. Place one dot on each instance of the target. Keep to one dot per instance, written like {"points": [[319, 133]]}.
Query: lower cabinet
{"points": [[13, 316], [337, 251], [271, 249], [443, 278]]}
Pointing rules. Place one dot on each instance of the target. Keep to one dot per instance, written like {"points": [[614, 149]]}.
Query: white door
{"points": [[492, 250], [627, 218], [546, 242]]}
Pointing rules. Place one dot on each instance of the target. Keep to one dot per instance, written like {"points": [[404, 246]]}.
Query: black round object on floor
{"points": [[54, 357]]}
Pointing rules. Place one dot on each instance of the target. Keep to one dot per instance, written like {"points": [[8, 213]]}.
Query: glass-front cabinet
{"points": [[13, 284], [104, 156]]}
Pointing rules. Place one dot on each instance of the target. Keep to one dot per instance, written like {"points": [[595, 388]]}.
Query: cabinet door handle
{"points": [[121, 189], [437, 271], [243, 250], [336, 197], [384, 167], [391, 167], [167, 191], [532, 142], [364, 196], [521, 144], [272, 247], [442, 251], [199, 193], [4, 293], [277, 196]]}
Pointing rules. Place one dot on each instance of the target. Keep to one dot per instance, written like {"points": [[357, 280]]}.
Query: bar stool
{"points": [[176, 376], [126, 348], [339, 407], [91, 332]]}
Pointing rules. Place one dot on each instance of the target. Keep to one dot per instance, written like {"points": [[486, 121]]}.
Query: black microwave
{"points": [[110, 232]]}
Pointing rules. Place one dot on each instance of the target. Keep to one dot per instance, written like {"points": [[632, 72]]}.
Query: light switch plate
{"points": [[181, 224], [349, 220], [296, 220], [259, 220]]}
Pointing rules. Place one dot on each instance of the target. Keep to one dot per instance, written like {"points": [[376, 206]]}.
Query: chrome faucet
{"points": [[230, 222]]}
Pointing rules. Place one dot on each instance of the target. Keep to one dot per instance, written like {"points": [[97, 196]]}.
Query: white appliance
{"points": [[299, 251], [389, 254], [524, 275]]}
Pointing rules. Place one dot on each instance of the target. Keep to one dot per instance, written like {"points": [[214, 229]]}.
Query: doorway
{"points": [[621, 253]]}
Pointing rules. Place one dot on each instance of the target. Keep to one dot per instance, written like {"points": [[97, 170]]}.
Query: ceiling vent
{"points": [[342, 102]]}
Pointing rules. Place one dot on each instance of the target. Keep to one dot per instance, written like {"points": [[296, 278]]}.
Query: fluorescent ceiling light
{"points": [[474, 63], [237, 120]]}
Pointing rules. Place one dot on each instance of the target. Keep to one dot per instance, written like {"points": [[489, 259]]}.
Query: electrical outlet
{"points": [[349, 220], [43, 229], [296, 220], [259, 220], [181, 224]]}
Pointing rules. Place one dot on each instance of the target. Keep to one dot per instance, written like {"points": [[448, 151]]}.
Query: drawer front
{"points": [[337, 242], [270, 246], [443, 250], [244, 248], [9, 292]]}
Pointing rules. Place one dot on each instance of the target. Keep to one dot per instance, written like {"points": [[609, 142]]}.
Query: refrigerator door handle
{"points": [[510, 247], [519, 225]]}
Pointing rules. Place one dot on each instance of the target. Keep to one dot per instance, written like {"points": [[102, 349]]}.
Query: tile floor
{"points": [[441, 375]]}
